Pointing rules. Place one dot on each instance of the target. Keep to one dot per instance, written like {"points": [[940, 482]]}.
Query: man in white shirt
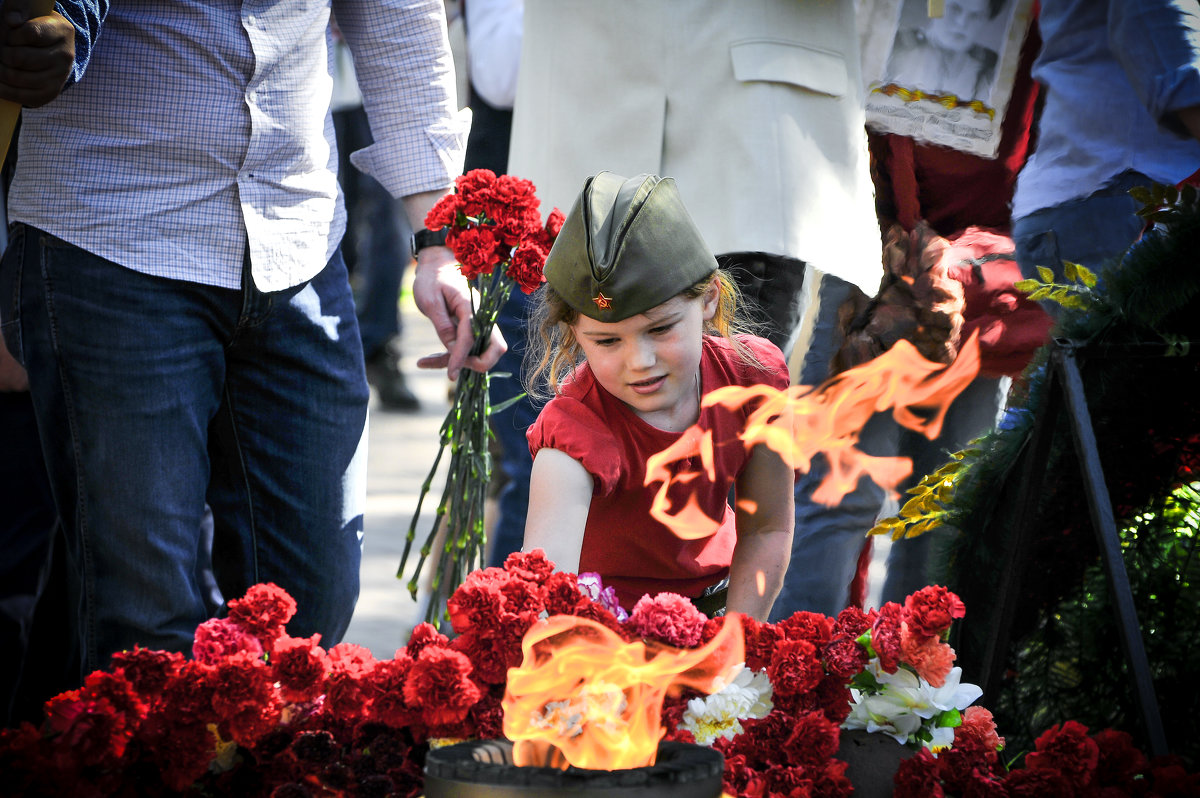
{"points": [[175, 290]]}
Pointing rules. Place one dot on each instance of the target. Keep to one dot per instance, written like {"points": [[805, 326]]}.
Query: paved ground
{"points": [[401, 450]]}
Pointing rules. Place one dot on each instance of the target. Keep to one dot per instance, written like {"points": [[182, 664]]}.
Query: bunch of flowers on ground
{"points": [[495, 230], [260, 713]]}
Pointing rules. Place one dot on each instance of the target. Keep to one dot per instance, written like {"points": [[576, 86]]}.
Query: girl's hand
{"points": [[560, 494], [766, 516]]}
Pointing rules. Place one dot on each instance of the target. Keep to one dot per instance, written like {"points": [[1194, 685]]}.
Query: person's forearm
{"points": [[760, 562]]}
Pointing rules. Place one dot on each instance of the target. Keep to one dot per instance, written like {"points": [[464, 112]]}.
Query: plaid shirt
{"points": [[195, 125]]}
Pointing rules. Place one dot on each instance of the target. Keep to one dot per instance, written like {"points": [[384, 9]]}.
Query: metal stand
{"points": [[1065, 393]]}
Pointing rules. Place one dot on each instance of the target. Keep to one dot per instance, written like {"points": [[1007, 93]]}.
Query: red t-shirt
{"points": [[633, 552]]}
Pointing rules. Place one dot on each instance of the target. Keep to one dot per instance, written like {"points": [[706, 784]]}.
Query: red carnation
{"points": [[794, 668], [834, 698], [475, 249], [443, 214], [478, 601], [264, 611], [189, 693], [742, 780], [473, 189], [147, 670], [527, 267], [811, 626], [554, 222], [91, 729], [424, 635], [1121, 763], [844, 657], [350, 665], [561, 594], [813, 740], [760, 642], [668, 617], [929, 656], [438, 683], [917, 777], [1067, 749], [1038, 783], [488, 717], [531, 565], [218, 638], [247, 702], [300, 667], [852, 622], [930, 611], [885, 636], [387, 680], [182, 749], [521, 596]]}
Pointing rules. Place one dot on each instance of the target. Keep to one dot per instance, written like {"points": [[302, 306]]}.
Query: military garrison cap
{"points": [[627, 246]]}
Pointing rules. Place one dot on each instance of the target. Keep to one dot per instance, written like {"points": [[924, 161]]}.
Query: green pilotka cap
{"points": [[627, 245]]}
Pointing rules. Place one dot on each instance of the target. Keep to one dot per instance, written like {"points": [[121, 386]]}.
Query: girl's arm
{"points": [[560, 494], [765, 518]]}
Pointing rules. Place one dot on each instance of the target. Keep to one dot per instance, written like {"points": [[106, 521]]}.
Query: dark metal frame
{"points": [[1064, 394]]}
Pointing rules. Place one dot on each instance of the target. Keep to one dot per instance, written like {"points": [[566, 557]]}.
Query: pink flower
{"points": [[668, 617], [218, 638], [978, 730]]}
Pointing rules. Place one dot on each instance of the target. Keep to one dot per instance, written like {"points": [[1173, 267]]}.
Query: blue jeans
{"points": [[154, 397], [827, 540], [1094, 231], [376, 242], [509, 427]]}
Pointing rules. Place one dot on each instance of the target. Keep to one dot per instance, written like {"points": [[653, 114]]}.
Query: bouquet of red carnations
{"points": [[497, 235]]}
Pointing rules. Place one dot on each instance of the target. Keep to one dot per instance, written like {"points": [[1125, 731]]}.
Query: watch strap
{"points": [[428, 238]]}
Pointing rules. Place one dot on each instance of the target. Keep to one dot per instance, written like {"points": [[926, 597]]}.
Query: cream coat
{"points": [[755, 107]]}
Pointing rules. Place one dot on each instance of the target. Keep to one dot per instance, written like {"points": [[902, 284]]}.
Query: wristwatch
{"points": [[427, 238]]}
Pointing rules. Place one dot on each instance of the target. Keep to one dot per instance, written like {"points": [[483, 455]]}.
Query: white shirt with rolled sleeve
{"points": [[202, 127]]}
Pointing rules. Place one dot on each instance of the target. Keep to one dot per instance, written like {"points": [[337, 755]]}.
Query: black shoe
{"points": [[383, 371]]}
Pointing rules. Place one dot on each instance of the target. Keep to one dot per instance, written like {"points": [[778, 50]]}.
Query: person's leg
{"points": [[910, 563], [288, 449], [772, 285], [125, 372], [27, 525], [509, 427], [376, 250], [827, 540]]}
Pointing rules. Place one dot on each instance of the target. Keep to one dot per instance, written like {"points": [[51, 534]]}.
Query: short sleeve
{"points": [[572, 428], [774, 372]]}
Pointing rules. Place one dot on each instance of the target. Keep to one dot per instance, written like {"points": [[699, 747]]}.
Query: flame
{"points": [[584, 695], [801, 422]]}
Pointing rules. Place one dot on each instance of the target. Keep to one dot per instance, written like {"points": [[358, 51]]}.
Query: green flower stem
{"points": [[465, 432]]}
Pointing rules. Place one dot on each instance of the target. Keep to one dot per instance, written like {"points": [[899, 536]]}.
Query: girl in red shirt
{"points": [[636, 323]]}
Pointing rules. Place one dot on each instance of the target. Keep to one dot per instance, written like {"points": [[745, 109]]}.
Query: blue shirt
{"points": [[195, 128], [1113, 72]]}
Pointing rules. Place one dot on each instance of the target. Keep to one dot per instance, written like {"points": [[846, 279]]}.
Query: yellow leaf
{"points": [[1069, 270], [1025, 286], [1086, 275], [1046, 273]]}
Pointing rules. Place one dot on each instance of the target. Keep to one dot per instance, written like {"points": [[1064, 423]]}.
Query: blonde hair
{"points": [[554, 352]]}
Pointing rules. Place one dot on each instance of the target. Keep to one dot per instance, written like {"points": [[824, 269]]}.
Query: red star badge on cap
{"points": [[603, 302]]}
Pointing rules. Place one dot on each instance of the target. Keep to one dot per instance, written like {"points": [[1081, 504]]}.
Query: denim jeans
{"points": [[509, 427], [827, 540], [154, 397], [1094, 231]]}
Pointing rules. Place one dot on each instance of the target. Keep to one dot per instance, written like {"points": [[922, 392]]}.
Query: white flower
{"points": [[746, 695], [905, 703]]}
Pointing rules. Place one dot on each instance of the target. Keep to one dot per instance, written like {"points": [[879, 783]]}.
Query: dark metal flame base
{"points": [[484, 769]]}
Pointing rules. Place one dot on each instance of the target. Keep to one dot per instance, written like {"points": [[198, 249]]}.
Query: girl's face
{"points": [[651, 362]]}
